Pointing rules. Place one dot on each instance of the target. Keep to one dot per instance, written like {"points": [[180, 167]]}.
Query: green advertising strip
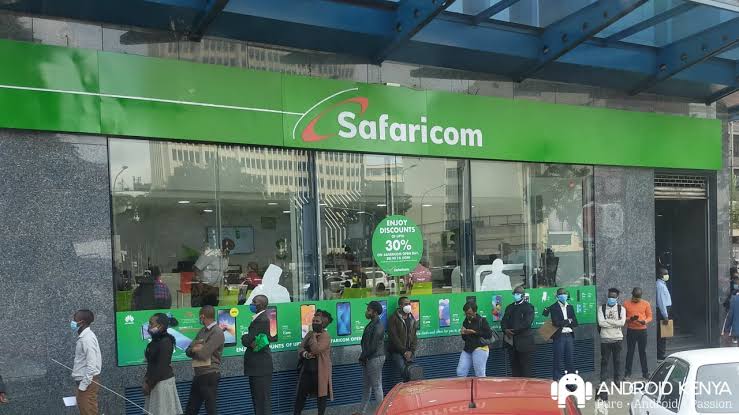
{"points": [[439, 315], [64, 89]]}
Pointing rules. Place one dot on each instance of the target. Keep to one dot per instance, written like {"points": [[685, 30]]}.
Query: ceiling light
{"points": [[323, 204], [208, 210], [426, 205], [271, 203], [381, 205], [361, 212], [285, 211], [184, 202]]}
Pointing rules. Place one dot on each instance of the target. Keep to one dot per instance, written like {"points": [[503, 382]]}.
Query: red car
{"points": [[488, 396]]}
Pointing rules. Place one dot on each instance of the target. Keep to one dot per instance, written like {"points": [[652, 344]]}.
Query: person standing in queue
{"points": [[638, 315], [402, 336], [372, 357], [159, 387], [664, 308], [88, 363], [314, 377], [611, 321], [476, 334], [206, 352], [258, 362], [563, 349], [516, 325]]}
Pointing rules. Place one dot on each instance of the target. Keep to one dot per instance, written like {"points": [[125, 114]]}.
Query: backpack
{"points": [[603, 309]]}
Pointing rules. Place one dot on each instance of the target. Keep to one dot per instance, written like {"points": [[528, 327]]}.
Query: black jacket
{"points": [[257, 363], [519, 317], [398, 330], [159, 359], [373, 340], [559, 321], [482, 329]]}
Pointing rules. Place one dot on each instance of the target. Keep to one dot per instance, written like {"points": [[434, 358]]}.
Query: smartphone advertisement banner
{"points": [[438, 314]]}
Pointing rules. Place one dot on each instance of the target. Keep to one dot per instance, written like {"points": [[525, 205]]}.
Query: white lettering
{"points": [[368, 130], [351, 131], [398, 132], [471, 137], [435, 130], [383, 125], [414, 128], [451, 136]]}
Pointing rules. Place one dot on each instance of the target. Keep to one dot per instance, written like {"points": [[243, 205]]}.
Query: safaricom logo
{"points": [[384, 128]]}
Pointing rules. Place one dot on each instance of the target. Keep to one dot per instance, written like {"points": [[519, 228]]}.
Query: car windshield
{"points": [[717, 389]]}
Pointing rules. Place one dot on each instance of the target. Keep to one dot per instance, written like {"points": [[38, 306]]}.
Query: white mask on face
{"points": [[407, 309]]}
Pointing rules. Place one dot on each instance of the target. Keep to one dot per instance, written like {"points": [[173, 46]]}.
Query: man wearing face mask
{"points": [[402, 335], [516, 324], [611, 321], [205, 351], [258, 363], [563, 348], [87, 363], [638, 315], [664, 306]]}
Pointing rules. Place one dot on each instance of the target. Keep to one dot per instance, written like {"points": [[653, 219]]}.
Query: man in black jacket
{"points": [[563, 348], [516, 324], [258, 364], [372, 357]]}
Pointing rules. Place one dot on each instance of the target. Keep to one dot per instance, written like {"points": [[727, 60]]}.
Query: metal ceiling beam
{"points": [[566, 34], [687, 52], [493, 10], [725, 92], [211, 10], [410, 17], [652, 21]]}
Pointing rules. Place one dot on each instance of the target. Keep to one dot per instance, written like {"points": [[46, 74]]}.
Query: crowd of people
{"points": [[314, 352]]}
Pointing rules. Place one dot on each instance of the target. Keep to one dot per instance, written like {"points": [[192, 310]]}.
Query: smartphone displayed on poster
{"points": [[416, 311], [228, 325], [497, 307], [145, 332], [383, 316], [527, 298], [343, 319], [445, 317], [272, 315], [306, 317], [181, 341]]}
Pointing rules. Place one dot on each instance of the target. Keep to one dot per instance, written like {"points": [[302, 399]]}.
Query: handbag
{"points": [[492, 340]]}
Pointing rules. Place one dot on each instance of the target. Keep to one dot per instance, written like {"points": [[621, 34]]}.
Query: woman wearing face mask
{"points": [[315, 365], [476, 334], [159, 383]]}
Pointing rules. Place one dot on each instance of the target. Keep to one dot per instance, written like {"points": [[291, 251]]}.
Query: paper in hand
{"points": [[70, 401]]}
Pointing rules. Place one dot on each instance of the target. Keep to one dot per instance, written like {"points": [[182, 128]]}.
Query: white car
{"points": [[704, 381]]}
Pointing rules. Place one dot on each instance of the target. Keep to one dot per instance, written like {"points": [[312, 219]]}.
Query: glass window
{"points": [[672, 394], [535, 219], [717, 389], [659, 377], [188, 235]]}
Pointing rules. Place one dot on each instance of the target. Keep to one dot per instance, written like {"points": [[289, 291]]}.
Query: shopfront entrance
{"points": [[682, 247]]}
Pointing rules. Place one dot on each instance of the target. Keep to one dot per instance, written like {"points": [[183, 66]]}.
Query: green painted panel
{"points": [[49, 111]]}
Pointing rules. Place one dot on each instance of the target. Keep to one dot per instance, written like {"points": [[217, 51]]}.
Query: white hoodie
{"points": [[611, 326], [270, 287]]}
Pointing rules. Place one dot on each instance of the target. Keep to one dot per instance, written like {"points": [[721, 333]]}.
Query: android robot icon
{"points": [[571, 384]]}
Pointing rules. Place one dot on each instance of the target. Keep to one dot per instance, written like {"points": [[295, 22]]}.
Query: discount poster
{"points": [[439, 315]]}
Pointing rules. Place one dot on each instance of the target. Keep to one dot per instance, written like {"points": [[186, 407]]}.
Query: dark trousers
{"points": [[634, 338], [261, 394], [204, 389], [300, 403], [608, 351], [661, 341], [520, 363], [564, 352]]}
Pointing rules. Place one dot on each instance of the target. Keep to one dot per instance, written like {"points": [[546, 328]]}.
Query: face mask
{"points": [[407, 309], [517, 297], [74, 326], [153, 330], [665, 278], [636, 299], [202, 323], [611, 301], [317, 328], [253, 308], [562, 298]]}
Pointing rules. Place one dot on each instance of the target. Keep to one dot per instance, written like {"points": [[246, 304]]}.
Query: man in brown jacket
{"points": [[402, 335], [206, 351]]}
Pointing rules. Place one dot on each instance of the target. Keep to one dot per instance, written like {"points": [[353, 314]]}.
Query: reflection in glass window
{"points": [[204, 233]]}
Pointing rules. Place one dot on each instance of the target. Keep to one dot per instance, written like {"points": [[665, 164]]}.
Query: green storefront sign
{"points": [[397, 245], [439, 315], [63, 89]]}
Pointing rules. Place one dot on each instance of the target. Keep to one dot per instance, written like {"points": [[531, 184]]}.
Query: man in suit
{"points": [[564, 319], [258, 364], [516, 324]]}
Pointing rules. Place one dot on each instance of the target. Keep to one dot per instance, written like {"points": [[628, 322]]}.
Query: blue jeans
{"points": [[372, 381], [564, 351], [478, 359]]}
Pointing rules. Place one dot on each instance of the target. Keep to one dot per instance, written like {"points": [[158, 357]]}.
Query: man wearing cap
{"points": [[372, 357]]}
